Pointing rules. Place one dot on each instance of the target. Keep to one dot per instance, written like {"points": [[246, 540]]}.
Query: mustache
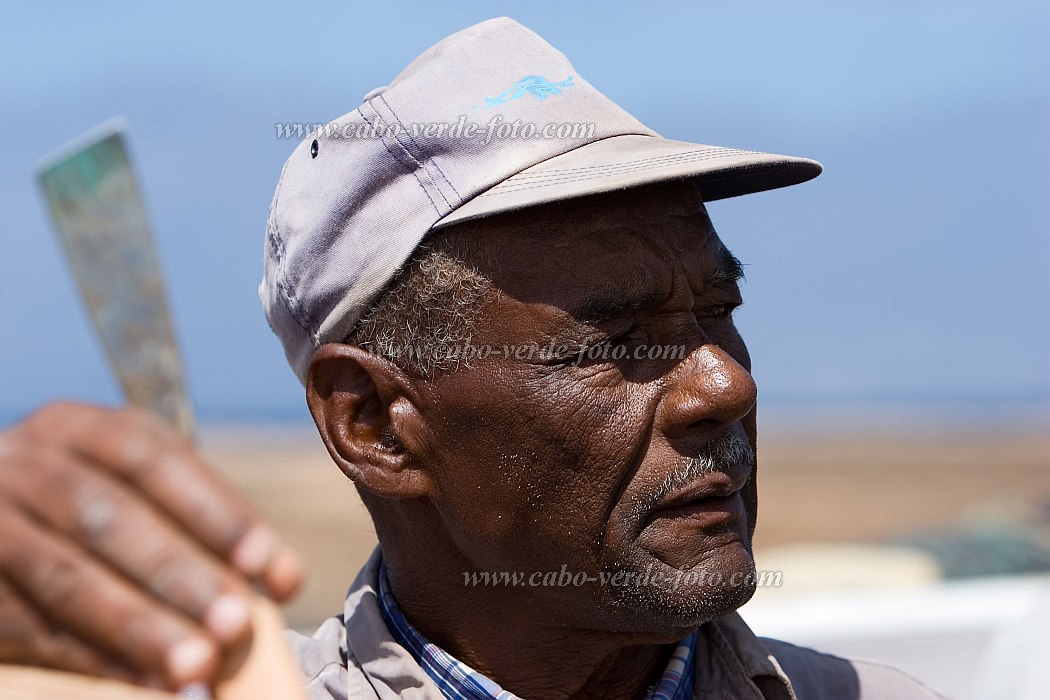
{"points": [[722, 454]]}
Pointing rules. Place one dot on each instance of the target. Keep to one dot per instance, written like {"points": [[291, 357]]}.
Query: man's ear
{"points": [[365, 410]]}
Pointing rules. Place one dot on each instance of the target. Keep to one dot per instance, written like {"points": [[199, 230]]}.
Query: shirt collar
{"points": [[458, 681]]}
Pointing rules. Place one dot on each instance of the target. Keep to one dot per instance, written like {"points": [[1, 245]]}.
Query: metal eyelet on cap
{"points": [[313, 149]]}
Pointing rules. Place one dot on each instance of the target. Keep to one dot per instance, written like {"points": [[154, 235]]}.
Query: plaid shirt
{"points": [[457, 681]]}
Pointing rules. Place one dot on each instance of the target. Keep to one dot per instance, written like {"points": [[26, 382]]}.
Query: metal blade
{"points": [[94, 200]]}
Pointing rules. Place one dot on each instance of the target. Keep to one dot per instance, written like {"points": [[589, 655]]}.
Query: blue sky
{"points": [[913, 270]]}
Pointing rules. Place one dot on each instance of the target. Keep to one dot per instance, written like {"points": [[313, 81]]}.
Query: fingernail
{"points": [[227, 617], [284, 575], [254, 550], [189, 659]]}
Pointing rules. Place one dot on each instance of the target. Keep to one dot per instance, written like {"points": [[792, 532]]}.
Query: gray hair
{"points": [[428, 312]]}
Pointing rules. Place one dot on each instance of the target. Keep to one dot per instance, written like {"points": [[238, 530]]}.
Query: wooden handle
{"points": [[25, 683], [261, 668]]}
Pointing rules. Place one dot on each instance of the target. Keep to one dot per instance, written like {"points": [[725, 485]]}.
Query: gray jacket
{"points": [[353, 656]]}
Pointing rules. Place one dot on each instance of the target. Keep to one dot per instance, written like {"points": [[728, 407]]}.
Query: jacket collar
{"points": [[731, 662]]}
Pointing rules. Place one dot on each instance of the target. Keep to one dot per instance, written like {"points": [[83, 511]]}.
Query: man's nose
{"points": [[710, 391]]}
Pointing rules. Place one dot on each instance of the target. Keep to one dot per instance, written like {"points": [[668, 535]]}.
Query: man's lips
{"points": [[708, 511], [709, 500]]}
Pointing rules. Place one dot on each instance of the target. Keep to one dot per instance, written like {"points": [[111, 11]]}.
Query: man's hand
{"points": [[121, 553]]}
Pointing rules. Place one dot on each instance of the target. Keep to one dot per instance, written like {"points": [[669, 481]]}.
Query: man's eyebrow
{"points": [[730, 269], [608, 304]]}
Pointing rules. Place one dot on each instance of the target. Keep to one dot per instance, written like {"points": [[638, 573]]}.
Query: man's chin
{"points": [[665, 596]]}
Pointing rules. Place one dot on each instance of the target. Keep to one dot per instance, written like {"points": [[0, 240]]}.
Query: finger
{"points": [[130, 535], [99, 607], [28, 639], [148, 454]]}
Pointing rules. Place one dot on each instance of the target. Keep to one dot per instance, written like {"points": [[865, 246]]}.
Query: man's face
{"points": [[631, 466]]}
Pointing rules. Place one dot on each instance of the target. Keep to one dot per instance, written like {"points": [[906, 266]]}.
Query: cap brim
{"points": [[620, 162]]}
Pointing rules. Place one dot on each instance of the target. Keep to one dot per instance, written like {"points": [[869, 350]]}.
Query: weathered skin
{"points": [[518, 465]]}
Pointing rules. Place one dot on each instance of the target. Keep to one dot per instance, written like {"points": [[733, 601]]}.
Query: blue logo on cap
{"points": [[535, 85]]}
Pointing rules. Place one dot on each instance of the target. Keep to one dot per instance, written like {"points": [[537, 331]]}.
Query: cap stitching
{"points": [[596, 173], [386, 144], [719, 150], [277, 244], [290, 302], [419, 148], [421, 164], [485, 189], [294, 307], [700, 153]]}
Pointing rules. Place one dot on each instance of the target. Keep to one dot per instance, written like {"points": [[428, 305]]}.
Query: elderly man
{"points": [[514, 322]]}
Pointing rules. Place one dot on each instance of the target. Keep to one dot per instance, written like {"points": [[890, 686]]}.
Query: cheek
{"points": [[538, 463], [589, 435]]}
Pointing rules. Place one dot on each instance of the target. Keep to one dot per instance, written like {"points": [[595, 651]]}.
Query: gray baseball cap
{"points": [[489, 120]]}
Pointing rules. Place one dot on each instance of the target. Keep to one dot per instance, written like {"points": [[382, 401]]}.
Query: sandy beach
{"points": [[838, 488]]}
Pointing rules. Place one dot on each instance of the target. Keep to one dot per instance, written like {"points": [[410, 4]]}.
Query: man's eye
{"points": [[716, 311]]}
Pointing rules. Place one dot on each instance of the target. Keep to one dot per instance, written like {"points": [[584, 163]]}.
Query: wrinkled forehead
{"points": [[630, 238]]}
